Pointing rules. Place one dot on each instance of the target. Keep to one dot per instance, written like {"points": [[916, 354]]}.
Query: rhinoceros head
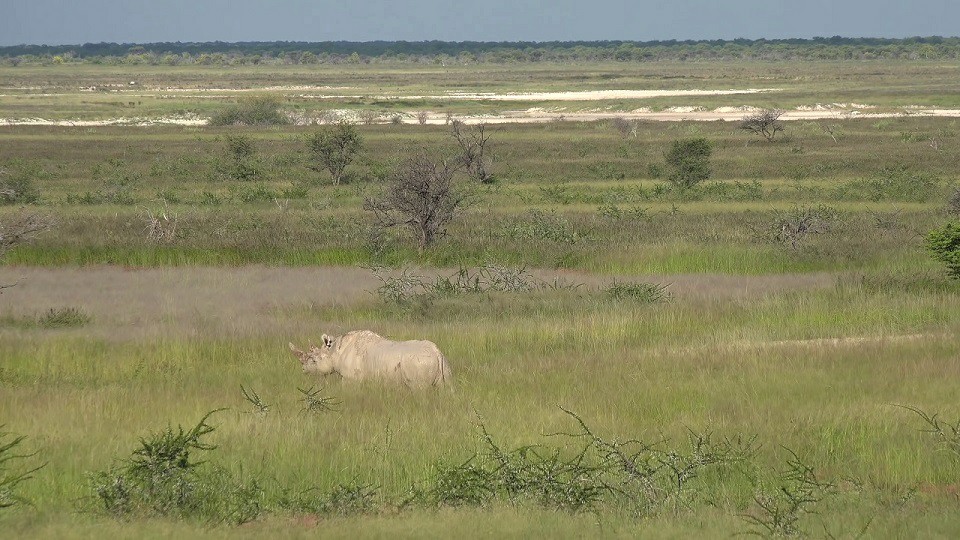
{"points": [[318, 359]]}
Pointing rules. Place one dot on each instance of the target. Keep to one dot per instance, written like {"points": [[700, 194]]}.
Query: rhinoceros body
{"points": [[363, 354]]}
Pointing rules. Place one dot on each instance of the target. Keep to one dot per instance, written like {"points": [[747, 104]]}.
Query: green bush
{"points": [[945, 245], [252, 111], [242, 155], [333, 149], [17, 185], [689, 161]]}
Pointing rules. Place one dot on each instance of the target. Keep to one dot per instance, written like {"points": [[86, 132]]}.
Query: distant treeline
{"points": [[298, 52]]}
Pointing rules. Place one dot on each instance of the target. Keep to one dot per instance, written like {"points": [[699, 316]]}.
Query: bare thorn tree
{"points": [[421, 196], [17, 230], [422, 117], [833, 130], [766, 123], [473, 145]]}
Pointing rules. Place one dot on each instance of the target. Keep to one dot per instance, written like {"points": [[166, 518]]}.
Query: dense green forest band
{"points": [[294, 52]]}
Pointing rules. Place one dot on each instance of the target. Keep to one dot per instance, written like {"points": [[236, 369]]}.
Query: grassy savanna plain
{"points": [[809, 348]]}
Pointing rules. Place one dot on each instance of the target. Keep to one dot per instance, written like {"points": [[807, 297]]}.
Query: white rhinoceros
{"points": [[362, 354]]}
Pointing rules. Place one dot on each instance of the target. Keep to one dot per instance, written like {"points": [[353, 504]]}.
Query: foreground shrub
{"points": [[10, 475], [162, 477], [640, 477], [944, 244], [252, 111]]}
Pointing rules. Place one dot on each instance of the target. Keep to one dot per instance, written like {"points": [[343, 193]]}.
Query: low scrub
{"points": [[408, 288], [540, 226], [642, 292]]}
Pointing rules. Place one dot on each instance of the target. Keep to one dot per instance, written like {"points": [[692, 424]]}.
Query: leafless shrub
{"points": [[448, 118], [422, 197], [399, 289], [369, 117], [779, 509], [833, 130], [935, 143], [18, 230], [161, 226], [473, 145], [794, 227], [21, 229], [422, 118], [624, 127], [766, 123]]}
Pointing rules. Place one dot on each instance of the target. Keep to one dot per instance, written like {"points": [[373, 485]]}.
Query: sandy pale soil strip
{"points": [[529, 116]]}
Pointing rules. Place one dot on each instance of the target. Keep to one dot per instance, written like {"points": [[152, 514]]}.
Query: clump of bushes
{"points": [[252, 111]]}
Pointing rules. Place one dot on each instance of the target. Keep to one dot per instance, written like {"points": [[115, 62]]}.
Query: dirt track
{"points": [[242, 298]]}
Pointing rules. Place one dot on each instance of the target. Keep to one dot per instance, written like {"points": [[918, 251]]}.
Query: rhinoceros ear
{"points": [[297, 352]]}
